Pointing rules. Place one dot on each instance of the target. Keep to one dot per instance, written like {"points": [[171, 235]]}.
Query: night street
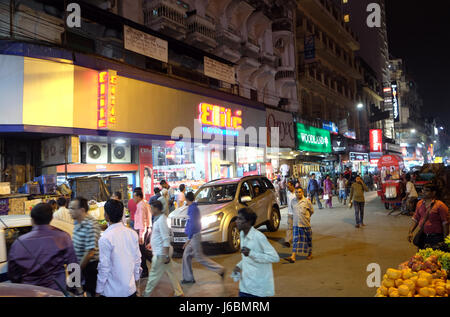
{"points": [[341, 255]]}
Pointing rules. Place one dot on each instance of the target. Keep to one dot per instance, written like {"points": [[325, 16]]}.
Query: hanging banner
{"points": [[146, 171], [145, 44], [220, 71]]}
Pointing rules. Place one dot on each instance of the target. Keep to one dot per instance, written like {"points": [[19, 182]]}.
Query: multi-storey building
{"points": [[256, 35], [327, 80]]}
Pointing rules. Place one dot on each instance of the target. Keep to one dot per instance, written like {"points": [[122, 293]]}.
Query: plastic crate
{"points": [[48, 189], [46, 179], [31, 189]]}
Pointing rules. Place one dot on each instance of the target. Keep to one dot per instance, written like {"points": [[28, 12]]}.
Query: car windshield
{"points": [[216, 194]]}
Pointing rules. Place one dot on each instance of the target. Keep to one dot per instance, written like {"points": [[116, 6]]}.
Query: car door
{"points": [[260, 194], [246, 190]]}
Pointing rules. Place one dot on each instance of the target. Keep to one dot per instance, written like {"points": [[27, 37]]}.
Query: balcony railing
{"points": [[282, 74], [197, 24], [164, 11]]}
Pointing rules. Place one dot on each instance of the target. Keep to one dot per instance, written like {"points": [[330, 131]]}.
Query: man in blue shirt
{"points": [[313, 190], [193, 247]]}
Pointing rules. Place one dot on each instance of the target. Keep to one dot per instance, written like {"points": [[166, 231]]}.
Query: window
{"points": [[257, 188], [216, 194], [267, 183], [347, 18], [12, 234], [245, 190]]}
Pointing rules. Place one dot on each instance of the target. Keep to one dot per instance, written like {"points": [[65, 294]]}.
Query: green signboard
{"points": [[311, 139]]}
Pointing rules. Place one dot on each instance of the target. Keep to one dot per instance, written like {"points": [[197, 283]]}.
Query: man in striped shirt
{"points": [[86, 233]]}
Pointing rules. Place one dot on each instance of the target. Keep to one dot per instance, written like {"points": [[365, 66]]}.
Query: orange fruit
{"points": [[403, 290]]}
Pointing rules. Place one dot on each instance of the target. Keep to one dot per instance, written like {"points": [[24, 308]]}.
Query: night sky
{"points": [[419, 33]]}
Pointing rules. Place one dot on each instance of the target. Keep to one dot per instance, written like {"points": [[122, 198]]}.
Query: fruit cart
{"points": [[390, 169]]}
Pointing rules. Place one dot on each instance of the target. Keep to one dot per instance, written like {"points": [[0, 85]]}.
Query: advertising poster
{"points": [[146, 171]]}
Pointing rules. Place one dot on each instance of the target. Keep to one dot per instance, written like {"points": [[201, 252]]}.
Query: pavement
{"points": [[341, 254]]}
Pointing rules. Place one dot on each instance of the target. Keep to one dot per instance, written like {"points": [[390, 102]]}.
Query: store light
{"points": [[120, 141], [292, 153], [360, 106], [413, 131]]}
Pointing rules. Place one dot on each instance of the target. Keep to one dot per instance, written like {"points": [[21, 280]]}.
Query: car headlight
{"points": [[206, 221], [169, 222]]}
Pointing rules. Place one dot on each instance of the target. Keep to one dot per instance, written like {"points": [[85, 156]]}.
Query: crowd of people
{"points": [[113, 263]]}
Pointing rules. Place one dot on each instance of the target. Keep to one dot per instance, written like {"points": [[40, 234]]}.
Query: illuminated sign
{"points": [[376, 140], [330, 126], [359, 157], [395, 102], [219, 120], [313, 139], [107, 88], [350, 134]]}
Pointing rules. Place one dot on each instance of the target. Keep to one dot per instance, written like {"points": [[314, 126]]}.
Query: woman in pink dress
{"points": [[328, 190]]}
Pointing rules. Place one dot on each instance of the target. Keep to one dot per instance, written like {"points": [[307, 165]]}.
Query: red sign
{"points": [[146, 171], [376, 140], [106, 110], [218, 116]]}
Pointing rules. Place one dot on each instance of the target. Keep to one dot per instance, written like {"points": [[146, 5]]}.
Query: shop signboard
{"points": [[219, 120], [146, 171], [359, 157], [376, 140], [350, 134], [393, 148], [218, 70], [343, 126], [145, 44], [53, 151], [106, 109], [285, 123], [438, 160], [395, 102], [330, 126], [339, 145], [312, 139]]}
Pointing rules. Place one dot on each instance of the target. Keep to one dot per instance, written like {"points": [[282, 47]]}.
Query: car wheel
{"points": [[274, 222], [234, 238]]}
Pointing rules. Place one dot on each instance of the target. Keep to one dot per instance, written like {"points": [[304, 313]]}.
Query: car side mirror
{"points": [[246, 199]]}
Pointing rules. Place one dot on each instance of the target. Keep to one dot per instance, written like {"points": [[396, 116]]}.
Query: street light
{"points": [[413, 131], [360, 106]]}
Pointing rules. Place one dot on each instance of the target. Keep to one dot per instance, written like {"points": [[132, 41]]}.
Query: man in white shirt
{"points": [[411, 196], [255, 268], [160, 242], [342, 185], [63, 213], [290, 195], [119, 266], [302, 209]]}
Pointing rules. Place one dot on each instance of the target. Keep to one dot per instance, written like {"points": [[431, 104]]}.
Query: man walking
{"points": [[193, 247], [143, 226], [313, 190], [85, 241], [357, 198], [411, 196], [120, 259], [38, 257], [302, 209], [433, 215], [283, 195], [165, 185], [160, 242], [62, 213], [255, 268], [342, 185], [290, 195]]}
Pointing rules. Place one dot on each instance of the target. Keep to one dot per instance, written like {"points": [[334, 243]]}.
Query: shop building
{"points": [[117, 120]]}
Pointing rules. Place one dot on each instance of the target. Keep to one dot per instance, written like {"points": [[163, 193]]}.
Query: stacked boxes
{"points": [[48, 183]]}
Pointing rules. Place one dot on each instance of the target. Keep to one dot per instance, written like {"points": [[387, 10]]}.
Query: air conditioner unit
{"points": [[96, 153], [121, 153]]}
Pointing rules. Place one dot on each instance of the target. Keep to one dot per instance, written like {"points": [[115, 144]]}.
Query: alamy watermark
{"points": [[73, 19], [374, 278], [374, 18]]}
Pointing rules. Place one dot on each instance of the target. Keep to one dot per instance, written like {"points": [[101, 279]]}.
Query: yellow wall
{"points": [[85, 98], [48, 93]]}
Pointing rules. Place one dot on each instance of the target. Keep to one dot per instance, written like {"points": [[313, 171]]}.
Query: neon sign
{"points": [[219, 119], [376, 140], [106, 110]]}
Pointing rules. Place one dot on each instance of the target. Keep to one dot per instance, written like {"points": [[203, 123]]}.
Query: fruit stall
{"points": [[424, 275]]}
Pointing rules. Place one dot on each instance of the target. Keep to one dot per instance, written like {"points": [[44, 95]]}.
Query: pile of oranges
{"points": [[408, 283]]}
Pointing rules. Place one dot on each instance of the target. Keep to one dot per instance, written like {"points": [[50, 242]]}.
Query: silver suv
{"points": [[219, 202]]}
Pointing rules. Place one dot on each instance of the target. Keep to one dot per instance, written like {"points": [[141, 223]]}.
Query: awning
{"points": [[391, 160]]}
